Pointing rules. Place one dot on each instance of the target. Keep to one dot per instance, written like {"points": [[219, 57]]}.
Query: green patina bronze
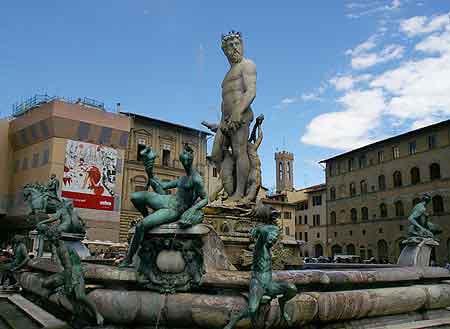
{"points": [[185, 206], [19, 260], [70, 281], [420, 226], [187, 277], [261, 284], [69, 221]]}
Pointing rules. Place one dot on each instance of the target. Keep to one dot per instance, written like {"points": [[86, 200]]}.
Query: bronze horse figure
{"points": [[39, 200]]}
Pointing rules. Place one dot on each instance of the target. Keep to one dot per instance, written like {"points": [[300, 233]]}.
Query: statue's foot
{"points": [[287, 318], [236, 198], [99, 319], [125, 263]]}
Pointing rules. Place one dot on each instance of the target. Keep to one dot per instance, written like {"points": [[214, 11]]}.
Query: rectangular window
{"points": [[286, 230], [287, 215], [331, 169], [317, 200], [396, 152], [83, 131], [306, 236], [166, 158], [35, 161], [412, 147], [105, 136], [362, 161], [306, 220], [351, 165], [431, 142], [45, 157], [25, 163], [140, 148], [214, 172], [380, 156], [300, 236], [16, 166]]}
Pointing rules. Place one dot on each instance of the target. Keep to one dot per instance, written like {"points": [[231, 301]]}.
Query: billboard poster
{"points": [[90, 175]]}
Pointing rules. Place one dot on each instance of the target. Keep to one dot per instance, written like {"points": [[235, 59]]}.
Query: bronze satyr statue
{"points": [[420, 225], [261, 283], [230, 148], [71, 280], [19, 260], [185, 206]]}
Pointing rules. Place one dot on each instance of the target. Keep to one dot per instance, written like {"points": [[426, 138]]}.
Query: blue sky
{"points": [[332, 75]]}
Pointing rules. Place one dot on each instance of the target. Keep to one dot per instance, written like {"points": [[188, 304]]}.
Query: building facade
{"points": [[310, 220], [168, 139], [79, 142], [372, 190]]}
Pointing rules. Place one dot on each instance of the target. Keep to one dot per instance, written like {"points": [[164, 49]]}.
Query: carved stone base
{"points": [[417, 252], [233, 224], [173, 259]]}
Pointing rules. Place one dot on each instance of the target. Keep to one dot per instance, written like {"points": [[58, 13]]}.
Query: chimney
{"points": [[118, 108]]}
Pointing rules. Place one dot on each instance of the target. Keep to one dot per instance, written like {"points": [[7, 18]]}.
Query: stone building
{"points": [[168, 140], [372, 190], [310, 220], [78, 141]]}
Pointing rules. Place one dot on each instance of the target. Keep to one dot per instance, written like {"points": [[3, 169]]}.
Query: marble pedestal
{"points": [[417, 252]]}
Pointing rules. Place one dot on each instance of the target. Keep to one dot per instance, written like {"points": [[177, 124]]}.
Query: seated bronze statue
{"points": [[185, 206], [420, 225]]}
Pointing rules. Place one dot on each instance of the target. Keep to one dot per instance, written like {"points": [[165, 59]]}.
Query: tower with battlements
{"points": [[284, 162]]}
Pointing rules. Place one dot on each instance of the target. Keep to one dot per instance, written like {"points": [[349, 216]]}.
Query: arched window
{"points": [[397, 179], [399, 211], [351, 250], [352, 189], [332, 193], [336, 250], [364, 213], [438, 204], [363, 186], [381, 182], [415, 176], [333, 218], [383, 210], [280, 170], [382, 251], [353, 215], [318, 250], [435, 171]]}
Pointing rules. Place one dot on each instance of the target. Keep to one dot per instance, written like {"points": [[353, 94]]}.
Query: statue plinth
{"points": [[233, 225], [417, 251], [174, 259]]}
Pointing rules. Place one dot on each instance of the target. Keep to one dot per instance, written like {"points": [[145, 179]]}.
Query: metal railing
{"points": [[37, 100]]}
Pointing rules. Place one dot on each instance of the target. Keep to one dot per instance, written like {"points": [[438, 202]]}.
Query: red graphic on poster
{"points": [[90, 175]]}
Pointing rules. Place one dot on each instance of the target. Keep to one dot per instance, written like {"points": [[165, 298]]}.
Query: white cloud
{"points": [[409, 95], [363, 47], [371, 8], [366, 60], [289, 100], [310, 97], [349, 128], [421, 25], [348, 81]]}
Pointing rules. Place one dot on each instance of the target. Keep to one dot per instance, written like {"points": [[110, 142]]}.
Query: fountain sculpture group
{"points": [[176, 271]]}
